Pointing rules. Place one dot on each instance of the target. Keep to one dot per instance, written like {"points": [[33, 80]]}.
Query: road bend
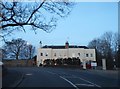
{"points": [[65, 78]]}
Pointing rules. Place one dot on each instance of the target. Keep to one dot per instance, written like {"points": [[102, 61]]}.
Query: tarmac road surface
{"points": [[64, 77]]}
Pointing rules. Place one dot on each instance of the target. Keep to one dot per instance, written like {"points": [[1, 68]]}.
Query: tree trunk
{"points": [[17, 64], [109, 61]]}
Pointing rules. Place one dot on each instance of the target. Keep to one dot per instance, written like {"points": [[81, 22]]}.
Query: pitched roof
{"points": [[63, 47]]}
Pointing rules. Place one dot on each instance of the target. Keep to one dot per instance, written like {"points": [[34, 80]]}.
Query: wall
{"points": [[18, 63]]}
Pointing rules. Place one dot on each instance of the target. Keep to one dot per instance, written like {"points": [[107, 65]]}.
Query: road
{"points": [[64, 77]]}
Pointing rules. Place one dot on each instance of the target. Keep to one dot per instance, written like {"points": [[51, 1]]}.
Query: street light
{"points": [[27, 50], [114, 63]]}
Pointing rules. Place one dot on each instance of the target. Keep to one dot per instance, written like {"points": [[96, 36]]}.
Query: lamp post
{"points": [[28, 50], [114, 63], [27, 54], [84, 62], [39, 60]]}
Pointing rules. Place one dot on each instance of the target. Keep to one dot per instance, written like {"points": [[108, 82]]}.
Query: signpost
{"points": [[84, 64], [93, 65]]}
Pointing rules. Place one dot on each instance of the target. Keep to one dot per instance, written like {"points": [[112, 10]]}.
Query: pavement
{"points": [[12, 78], [112, 73], [106, 72]]}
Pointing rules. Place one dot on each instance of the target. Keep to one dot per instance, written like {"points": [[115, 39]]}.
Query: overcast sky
{"points": [[88, 20]]}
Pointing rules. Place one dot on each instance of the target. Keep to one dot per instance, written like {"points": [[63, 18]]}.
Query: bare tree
{"points": [[96, 44], [115, 47], [18, 48], [106, 47], [37, 15], [115, 42], [28, 51], [13, 48]]}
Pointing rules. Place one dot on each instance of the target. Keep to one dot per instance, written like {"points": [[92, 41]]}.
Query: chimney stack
{"points": [[67, 45], [40, 44]]}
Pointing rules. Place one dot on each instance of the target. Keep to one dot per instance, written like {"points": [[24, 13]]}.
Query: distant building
{"points": [[65, 51]]}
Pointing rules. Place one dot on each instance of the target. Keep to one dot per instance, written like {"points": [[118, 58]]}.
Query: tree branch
{"points": [[35, 11]]}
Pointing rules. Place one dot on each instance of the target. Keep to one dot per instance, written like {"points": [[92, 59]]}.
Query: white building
{"points": [[66, 51]]}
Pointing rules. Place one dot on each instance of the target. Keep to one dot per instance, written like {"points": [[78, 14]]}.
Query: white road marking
{"points": [[85, 85], [87, 81], [50, 72], [69, 82], [28, 74], [72, 76]]}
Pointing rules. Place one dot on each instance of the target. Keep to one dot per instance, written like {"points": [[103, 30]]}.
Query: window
{"points": [[78, 54], [73, 54], [60, 55], [41, 54], [55, 54], [46, 54], [91, 55], [87, 55]]}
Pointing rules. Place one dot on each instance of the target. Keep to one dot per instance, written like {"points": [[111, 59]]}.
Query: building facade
{"points": [[66, 51]]}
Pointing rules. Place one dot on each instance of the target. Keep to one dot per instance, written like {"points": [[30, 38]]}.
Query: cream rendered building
{"points": [[66, 51]]}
